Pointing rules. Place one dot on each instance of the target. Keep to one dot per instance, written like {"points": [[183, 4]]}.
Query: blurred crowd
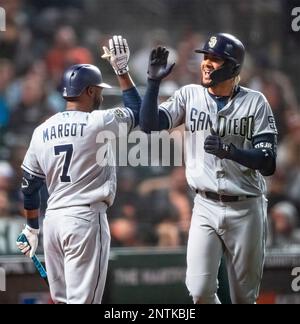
{"points": [[153, 205]]}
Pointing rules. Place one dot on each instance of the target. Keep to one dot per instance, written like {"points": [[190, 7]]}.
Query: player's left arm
{"points": [[118, 55], [31, 186], [33, 180], [263, 155]]}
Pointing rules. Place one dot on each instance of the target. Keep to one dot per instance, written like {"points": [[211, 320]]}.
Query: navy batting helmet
{"points": [[80, 76], [230, 49]]}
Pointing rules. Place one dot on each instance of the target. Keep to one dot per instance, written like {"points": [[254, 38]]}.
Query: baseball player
{"points": [[63, 153], [238, 134]]}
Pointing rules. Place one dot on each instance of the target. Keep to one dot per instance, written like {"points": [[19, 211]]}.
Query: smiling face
{"points": [[209, 64]]}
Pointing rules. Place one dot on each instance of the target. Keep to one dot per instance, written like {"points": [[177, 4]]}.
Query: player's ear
{"points": [[90, 91]]}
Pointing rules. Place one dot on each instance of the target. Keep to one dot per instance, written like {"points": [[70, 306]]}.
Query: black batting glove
{"points": [[214, 145], [158, 67]]}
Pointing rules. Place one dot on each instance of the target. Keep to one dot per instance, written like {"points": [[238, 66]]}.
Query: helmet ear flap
{"points": [[237, 68], [225, 72]]}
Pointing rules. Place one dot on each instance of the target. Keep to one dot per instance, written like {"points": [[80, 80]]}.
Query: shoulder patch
{"points": [[119, 113], [170, 99]]}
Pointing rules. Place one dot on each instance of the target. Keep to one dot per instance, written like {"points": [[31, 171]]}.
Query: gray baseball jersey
{"points": [[246, 116], [63, 151], [236, 229]]}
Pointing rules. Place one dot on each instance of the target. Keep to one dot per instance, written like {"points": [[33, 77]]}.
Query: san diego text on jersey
{"points": [[200, 120]]}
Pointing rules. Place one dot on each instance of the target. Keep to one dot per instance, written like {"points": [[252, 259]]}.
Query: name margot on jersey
{"points": [[63, 130], [238, 126]]}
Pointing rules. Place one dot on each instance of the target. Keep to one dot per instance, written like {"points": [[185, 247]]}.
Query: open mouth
{"points": [[207, 72]]}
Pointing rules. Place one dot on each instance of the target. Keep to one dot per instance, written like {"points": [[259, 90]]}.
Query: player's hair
{"points": [[72, 99], [237, 80]]}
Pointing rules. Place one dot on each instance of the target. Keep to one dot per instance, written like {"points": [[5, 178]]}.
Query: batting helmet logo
{"points": [[212, 42]]}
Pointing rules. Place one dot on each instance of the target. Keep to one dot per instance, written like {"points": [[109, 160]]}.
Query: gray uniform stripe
{"points": [[133, 125], [24, 167], [100, 259], [166, 112]]}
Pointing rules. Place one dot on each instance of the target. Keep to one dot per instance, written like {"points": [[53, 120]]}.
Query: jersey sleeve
{"points": [[116, 121], [174, 109], [264, 121], [30, 163]]}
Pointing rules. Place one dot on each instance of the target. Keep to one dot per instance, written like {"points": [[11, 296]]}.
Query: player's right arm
{"points": [[118, 55], [33, 180], [151, 117]]}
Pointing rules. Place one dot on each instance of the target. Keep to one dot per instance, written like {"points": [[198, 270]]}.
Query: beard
{"points": [[96, 103], [205, 81], [206, 84]]}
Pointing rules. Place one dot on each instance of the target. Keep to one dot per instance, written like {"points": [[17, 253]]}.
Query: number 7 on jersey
{"points": [[67, 149]]}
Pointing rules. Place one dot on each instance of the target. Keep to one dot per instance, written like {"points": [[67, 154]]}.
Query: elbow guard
{"points": [[31, 186], [270, 163], [267, 144]]}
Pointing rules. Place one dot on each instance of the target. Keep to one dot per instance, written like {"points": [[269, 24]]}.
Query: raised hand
{"points": [[158, 67], [117, 54]]}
